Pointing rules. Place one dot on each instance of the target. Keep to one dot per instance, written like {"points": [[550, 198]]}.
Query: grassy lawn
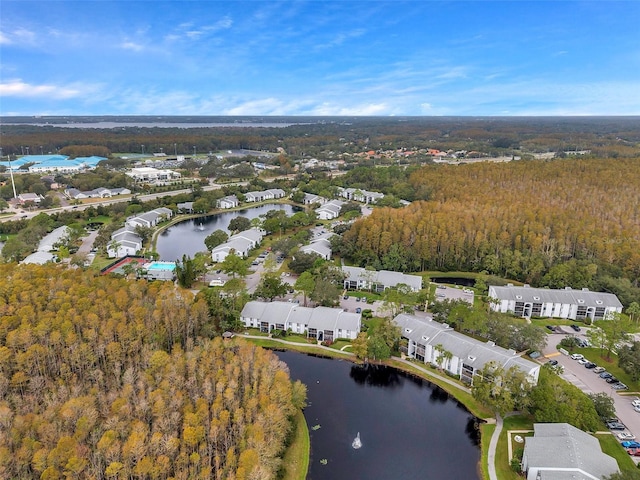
{"points": [[296, 457], [611, 446], [303, 347], [486, 431], [503, 468], [338, 344]]}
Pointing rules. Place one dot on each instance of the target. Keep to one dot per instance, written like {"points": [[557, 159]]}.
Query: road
{"points": [[590, 382]]}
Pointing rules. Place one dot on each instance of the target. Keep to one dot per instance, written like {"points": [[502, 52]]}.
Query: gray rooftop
{"points": [[383, 277], [473, 352], [560, 446], [567, 296]]}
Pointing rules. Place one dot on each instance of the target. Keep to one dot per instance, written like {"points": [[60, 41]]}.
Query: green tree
{"points": [[306, 284], [185, 272], [614, 329], [234, 265], [359, 346], [239, 224], [325, 293], [3, 205], [298, 196], [302, 262], [633, 310], [270, 287], [604, 405], [629, 359], [216, 238], [377, 348]]}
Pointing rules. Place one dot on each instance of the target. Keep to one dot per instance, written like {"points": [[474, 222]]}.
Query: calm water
{"points": [[188, 237], [409, 428]]}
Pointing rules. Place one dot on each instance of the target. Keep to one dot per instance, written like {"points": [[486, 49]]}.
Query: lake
{"points": [[408, 427], [187, 237]]}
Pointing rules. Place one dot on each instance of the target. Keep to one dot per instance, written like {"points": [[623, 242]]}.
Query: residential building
{"points": [[185, 207], [100, 192], [360, 195], [151, 218], [428, 339], [570, 304], [29, 197], [322, 323], [124, 241], [559, 451], [54, 163], [241, 244], [311, 198], [39, 258], [330, 210], [230, 201], [52, 240], [320, 245], [151, 175], [358, 278], [264, 195]]}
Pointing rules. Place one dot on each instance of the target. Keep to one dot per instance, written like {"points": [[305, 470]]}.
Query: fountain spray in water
{"points": [[356, 442]]}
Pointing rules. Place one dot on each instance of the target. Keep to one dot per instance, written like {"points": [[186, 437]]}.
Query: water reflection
{"points": [[187, 237], [409, 427], [375, 375]]}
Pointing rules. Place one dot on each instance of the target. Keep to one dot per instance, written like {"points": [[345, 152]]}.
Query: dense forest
{"points": [[104, 378], [557, 223], [324, 137]]}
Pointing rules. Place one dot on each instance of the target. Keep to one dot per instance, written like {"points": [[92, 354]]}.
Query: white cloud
{"points": [[18, 88], [4, 40], [129, 45]]}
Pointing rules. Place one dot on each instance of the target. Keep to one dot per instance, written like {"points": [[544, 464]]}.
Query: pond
{"points": [[465, 282], [187, 237], [408, 428]]}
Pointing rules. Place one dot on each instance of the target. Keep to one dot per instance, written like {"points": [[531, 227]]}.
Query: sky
{"points": [[319, 57]]}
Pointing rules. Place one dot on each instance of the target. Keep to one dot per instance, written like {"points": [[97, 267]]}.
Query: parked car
{"points": [[358, 310], [577, 356], [635, 402], [611, 380], [590, 365], [616, 426], [637, 409], [576, 328], [358, 299], [619, 386], [630, 444], [442, 287], [583, 361], [346, 297], [626, 436], [551, 327], [598, 370], [440, 295], [605, 375], [553, 362]]}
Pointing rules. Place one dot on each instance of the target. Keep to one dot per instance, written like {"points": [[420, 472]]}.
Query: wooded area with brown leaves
{"points": [[516, 220], [105, 378]]}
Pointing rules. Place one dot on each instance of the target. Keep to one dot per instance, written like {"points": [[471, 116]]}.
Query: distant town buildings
{"points": [[53, 163], [101, 192], [270, 194], [152, 175], [360, 195]]}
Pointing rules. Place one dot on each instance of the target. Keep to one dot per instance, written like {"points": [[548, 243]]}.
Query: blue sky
{"points": [[319, 58]]}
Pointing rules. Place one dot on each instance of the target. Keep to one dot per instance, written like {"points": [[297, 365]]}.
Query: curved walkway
{"points": [[493, 444]]}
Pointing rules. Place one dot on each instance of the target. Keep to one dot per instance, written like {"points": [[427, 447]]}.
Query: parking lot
{"points": [[589, 382], [444, 292]]}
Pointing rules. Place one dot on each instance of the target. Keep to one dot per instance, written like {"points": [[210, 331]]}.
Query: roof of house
{"points": [[39, 258], [560, 446], [321, 318], [473, 352], [317, 247], [333, 206], [383, 277], [52, 238], [254, 234], [546, 295]]}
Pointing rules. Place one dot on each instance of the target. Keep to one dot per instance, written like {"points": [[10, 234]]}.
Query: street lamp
{"points": [[175, 148], [27, 150], [142, 146], [41, 153], [194, 150]]}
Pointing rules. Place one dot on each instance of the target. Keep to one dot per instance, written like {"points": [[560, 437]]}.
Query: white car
{"points": [[582, 361], [626, 436], [637, 409], [577, 356]]}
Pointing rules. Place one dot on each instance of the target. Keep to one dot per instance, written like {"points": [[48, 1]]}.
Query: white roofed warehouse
{"points": [[569, 303]]}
